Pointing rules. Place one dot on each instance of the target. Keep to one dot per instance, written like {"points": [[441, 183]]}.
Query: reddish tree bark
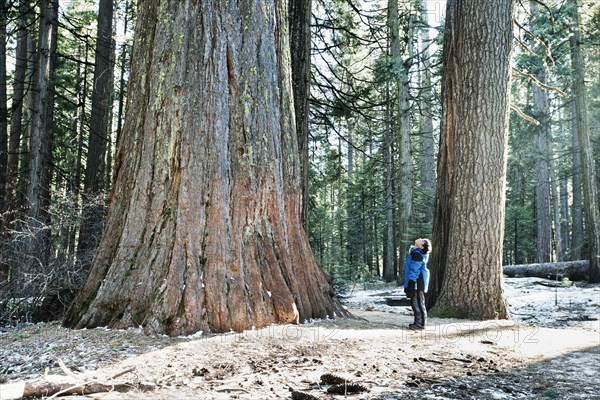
{"points": [[204, 226]]}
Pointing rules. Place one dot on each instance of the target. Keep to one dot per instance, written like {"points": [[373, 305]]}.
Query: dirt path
{"points": [[451, 359]]}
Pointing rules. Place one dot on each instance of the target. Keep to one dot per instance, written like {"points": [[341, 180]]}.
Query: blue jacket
{"points": [[416, 266]]}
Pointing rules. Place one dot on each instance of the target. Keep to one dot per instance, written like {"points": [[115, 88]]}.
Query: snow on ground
{"points": [[530, 300], [577, 304], [550, 350]]}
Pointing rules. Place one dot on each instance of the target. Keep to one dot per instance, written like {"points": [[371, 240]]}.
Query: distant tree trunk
{"points": [[110, 151], [406, 170], [79, 135], [401, 124], [577, 237], [375, 244], [49, 112], [300, 45], [590, 197], [40, 143], [94, 178], [542, 187], [3, 104], [18, 96], [518, 228], [4, 265], [556, 204], [427, 150], [543, 138], [564, 220], [123, 69], [204, 227], [389, 240], [20, 203], [352, 227], [469, 221]]}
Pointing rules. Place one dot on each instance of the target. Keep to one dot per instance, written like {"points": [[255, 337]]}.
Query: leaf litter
{"points": [[550, 349]]}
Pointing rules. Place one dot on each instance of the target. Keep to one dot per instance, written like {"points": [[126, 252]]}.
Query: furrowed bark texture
{"points": [[469, 222], [204, 230], [300, 15]]}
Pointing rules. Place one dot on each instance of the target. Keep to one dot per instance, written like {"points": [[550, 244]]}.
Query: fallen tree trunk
{"points": [[574, 270], [45, 388]]}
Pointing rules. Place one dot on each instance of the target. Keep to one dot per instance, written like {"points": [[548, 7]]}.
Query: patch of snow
{"points": [[193, 335], [531, 301]]}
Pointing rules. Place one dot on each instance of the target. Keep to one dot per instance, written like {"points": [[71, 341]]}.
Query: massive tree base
{"points": [[204, 230]]}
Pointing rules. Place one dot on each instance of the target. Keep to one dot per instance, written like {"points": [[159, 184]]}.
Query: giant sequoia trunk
{"points": [[469, 221], [203, 230]]}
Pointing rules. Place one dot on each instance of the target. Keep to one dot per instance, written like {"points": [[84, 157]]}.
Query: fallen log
{"points": [[397, 301], [574, 270], [63, 387]]}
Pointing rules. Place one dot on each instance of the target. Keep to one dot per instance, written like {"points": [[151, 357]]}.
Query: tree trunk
{"points": [[18, 96], [577, 208], [542, 187], [556, 205], [40, 145], [204, 227], [389, 245], [405, 198], [389, 237], [574, 270], [401, 128], [564, 220], [94, 178], [84, 259], [3, 105], [300, 45], [4, 264], [427, 150], [469, 223], [590, 197], [123, 69]]}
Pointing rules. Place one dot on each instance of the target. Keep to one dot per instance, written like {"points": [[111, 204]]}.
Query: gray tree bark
{"points": [[95, 167], [427, 136], [3, 104], [401, 123], [577, 236], [590, 197], [40, 141], [469, 223], [16, 121], [300, 45], [542, 187], [565, 226]]}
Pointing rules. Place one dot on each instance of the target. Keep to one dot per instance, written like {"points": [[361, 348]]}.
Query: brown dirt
{"points": [[451, 359]]}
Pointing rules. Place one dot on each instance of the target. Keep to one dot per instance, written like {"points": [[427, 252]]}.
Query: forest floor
{"points": [[549, 350]]}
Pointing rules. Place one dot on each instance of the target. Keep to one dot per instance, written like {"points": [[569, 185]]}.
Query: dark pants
{"points": [[417, 303]]}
